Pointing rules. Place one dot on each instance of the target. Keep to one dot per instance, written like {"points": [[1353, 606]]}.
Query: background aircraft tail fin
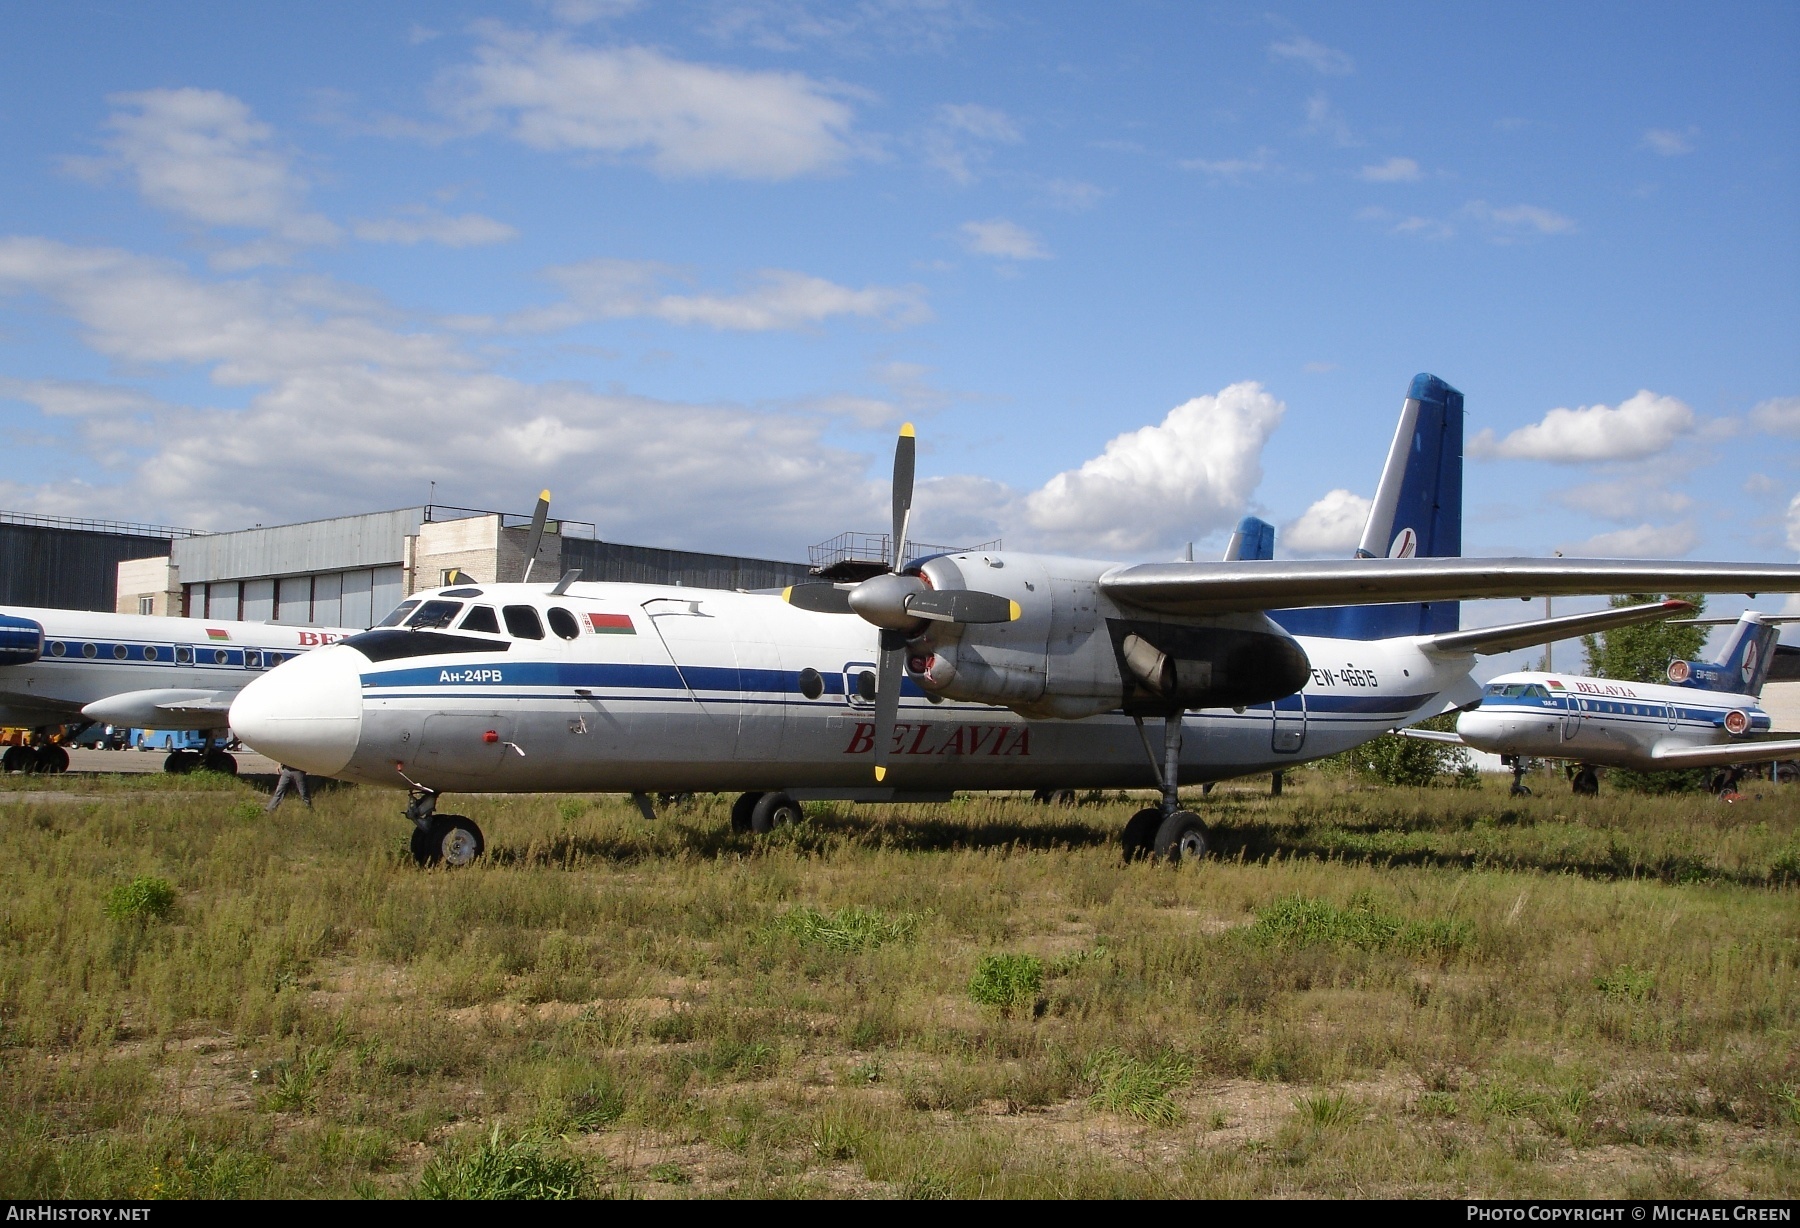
{"points": [[1253, 539], [1742, 663], [1416, 513]]}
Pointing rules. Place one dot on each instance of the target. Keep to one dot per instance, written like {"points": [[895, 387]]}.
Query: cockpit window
{"points": [[522, 621], [434, 615], [1536, 692], [562, 622], [400, 612], [481, 618]]}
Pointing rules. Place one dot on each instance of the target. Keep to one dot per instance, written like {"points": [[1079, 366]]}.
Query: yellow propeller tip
{"points": [[906, 431], [544, 495], [880, 773], [787, 594], [1017, 613]]}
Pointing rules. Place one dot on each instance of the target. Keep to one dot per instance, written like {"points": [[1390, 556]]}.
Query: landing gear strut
{"points": [[1586, 782], [449, 839], [1166, 832], [1725, 781]]}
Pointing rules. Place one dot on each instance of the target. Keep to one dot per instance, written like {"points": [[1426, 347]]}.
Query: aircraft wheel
{"points": [[741, 809], [1139, 836], [1586, 783], [52, 759], [450, 839], [18, 759], [1061, 797], [1520, 791], [181, 762], [1182, 836], [773, 809], [219, 761]]}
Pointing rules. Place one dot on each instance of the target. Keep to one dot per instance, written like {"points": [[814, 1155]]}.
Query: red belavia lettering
{"points": [[905, 679]]}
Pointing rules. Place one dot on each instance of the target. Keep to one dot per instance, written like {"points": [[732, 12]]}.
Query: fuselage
{"points": [[53, 663], [630, 687], [1600, 721]]}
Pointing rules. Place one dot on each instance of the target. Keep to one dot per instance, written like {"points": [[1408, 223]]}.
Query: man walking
{"points": [[292, 778]]}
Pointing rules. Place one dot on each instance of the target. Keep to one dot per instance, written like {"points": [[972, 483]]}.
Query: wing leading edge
{"points": [[1252, 585]]}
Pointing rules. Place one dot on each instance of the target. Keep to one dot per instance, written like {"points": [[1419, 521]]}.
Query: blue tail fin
{"points": [[1742, 665], [1253, 539], [1417, 512]]}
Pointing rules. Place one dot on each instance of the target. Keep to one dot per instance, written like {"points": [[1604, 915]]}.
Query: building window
{"points": [[146, 605]]}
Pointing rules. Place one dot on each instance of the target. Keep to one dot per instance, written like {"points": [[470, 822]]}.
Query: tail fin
{"points": [[1742, 665], [1253, 539], [1417, 512]]}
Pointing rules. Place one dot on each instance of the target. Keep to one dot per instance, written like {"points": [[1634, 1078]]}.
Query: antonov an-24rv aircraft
{"points": [[974, 670]]}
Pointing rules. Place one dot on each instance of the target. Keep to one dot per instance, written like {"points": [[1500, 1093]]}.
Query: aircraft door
{"points": [[463, 743], [699, 644], [1287, 729]]}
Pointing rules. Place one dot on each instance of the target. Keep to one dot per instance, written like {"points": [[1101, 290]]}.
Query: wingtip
{"points": [[906, 430]]}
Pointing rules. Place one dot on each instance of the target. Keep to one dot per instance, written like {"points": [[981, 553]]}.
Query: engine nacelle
{"points": [[21, 640], [1073, 652]]}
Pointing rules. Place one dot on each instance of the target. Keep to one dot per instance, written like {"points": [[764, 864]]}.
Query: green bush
{"points": [[847, 929], [1007, 981], [1295, 921], [522, 1168], [142, 899], [1412, 762], [1626, 983], [1136, 1086]]}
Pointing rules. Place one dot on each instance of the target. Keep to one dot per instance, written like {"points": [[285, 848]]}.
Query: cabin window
{"points": [[812, 683], [88, 650], [120, 652], [522, 621], [400, 612], [221, 657], [434, 615], [481, 618], [149, 652], [865, 685], [183, 656], [58, 648], [252, 659], [562, 622]]}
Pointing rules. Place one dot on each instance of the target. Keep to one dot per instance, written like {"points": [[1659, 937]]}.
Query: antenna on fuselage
{"points": [[568, 577]]}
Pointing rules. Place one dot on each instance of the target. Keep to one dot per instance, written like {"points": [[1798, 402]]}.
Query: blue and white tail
{"points": [[1417, 512], [1742, 664], [1253, 539]]}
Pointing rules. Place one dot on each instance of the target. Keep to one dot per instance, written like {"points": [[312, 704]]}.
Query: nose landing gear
{"points": [[446, 839]]}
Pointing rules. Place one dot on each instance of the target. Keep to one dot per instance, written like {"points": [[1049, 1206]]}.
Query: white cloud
{"points": [[204, 156], [1758, 484], [1075, 195], [1411, 225], [1324, 119], [1315, 55], [1777, 416], [1670, 142], [1333, 525], [1233, 170], [1394, 170], [1793, 526], [1646, 541], [683, 118], [1625, 500], [999, 237], [958, 140], [1641, 426], [421, 225], [1188, 475], [1507, 223]]}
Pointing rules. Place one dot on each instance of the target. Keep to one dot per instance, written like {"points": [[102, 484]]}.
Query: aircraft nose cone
{"points": [[306, 713]]}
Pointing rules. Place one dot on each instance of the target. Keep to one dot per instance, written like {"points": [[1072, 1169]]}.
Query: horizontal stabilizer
{"points": [[1433, 735], [1722, 756], [1224, 588], [1547, 630]]}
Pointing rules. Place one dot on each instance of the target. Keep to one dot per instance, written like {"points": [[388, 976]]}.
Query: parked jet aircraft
{"points": [[1708, 717], [972, 670], [63, 667]]}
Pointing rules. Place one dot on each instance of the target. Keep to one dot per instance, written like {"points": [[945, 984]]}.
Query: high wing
{"points": [[167, 708], [1722, 756], [1547, 630], [1250, 585]]}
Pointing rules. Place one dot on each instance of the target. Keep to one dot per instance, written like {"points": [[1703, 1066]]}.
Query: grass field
{"points": [[1379, 992]]}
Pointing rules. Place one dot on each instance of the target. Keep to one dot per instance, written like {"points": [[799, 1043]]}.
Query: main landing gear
{"points": [[441, 839], [1586, 781], [1054, 797], [1724, 783], [44, 757], [764, 812], [1166, 832]]}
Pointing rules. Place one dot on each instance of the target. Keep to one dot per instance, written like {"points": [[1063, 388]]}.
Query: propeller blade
{"points": [[887, 696], [960, 605], [904, 450], [535, 538], [819, 598]]}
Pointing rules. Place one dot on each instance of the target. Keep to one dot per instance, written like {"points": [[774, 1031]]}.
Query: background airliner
{"points": [[1707, 717], [992, 670]]}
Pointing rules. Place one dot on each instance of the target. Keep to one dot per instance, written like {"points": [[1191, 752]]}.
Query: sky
{"points": [[1133, 270]]}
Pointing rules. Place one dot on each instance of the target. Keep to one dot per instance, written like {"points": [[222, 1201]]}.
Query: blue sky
{"points": [[1133, 269]]}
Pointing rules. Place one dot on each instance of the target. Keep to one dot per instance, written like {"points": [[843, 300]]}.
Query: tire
{"points": [[450, 840], [18, 759], [1586, 783], [180, 762], [1182, 837], [219, 761], [1062, 797], [52, 759], [1139, 836], [740, 811], [773, 809]]}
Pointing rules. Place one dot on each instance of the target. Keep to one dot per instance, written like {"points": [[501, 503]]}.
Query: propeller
{"points": [[899, 604], [536, 537]]}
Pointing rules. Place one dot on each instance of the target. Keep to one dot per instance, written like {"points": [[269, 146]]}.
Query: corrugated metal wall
{"points": [[340, 544], [67, 569], [650, 565]]}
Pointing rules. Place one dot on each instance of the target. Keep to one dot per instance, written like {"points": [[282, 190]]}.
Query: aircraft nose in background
{"points": [[307, 713]]}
